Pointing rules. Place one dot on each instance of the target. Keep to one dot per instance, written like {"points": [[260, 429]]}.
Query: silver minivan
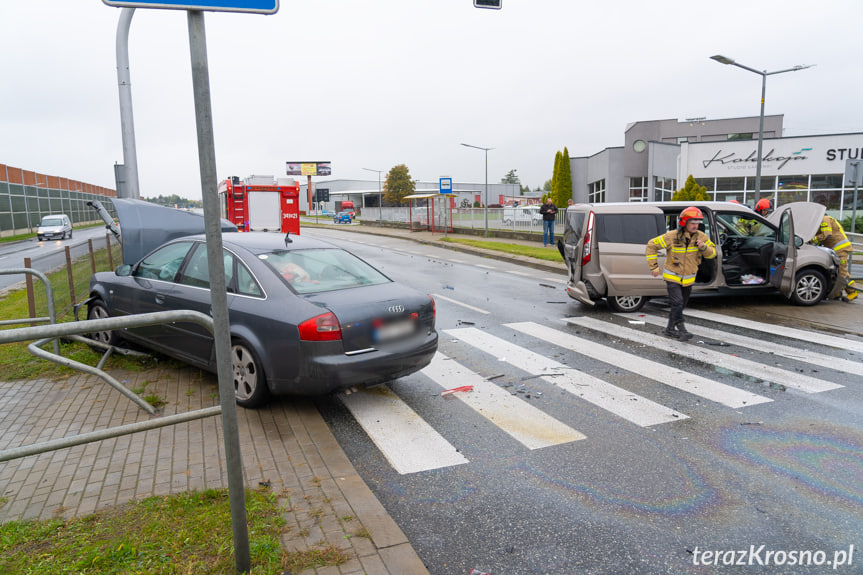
{"points": [[603, 246], [54, 226]]}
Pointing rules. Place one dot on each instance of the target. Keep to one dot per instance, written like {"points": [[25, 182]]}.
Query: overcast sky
{"points": [[383, 82]]}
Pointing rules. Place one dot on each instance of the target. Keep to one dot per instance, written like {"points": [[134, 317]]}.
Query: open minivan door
{"points": [[783, 264], [575, 244]]}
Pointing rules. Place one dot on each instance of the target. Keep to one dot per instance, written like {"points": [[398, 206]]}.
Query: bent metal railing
{"points": [[49, 293], [227, 407]]}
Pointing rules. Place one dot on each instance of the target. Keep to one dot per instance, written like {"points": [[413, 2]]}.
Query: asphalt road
{"points": [[589, 444], [45, 255]]}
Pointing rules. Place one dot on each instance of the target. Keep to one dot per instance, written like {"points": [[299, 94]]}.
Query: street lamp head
{"points": [[722, 59]]}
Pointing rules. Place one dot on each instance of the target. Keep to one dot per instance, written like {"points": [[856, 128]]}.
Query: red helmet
{"points": [[733, 202], [764, 206], [690, 213]]}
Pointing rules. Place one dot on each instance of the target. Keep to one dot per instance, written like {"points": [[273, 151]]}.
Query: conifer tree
{"points": [[691, 192], [564, 181]]}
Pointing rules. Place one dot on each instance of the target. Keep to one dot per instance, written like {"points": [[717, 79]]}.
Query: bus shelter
{"points": [[430, 212]]}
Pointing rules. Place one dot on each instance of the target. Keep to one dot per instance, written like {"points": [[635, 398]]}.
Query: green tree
{"points": [[555, 175], [564, 180], [398, 185], [510, 178], [691, 192], [546, 187]]}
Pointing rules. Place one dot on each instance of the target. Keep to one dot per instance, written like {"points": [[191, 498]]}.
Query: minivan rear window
{"points": [[574, 226], [629, 228]]}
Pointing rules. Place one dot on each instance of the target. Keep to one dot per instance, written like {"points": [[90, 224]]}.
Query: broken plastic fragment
{"points": [[457, 389]]}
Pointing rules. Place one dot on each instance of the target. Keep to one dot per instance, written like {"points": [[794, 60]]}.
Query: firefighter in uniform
{"points": [[831, 235], [684, 250]]}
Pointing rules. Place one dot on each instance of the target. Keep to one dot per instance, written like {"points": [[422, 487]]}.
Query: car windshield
{"points": [[52, 222], [320, 270]]}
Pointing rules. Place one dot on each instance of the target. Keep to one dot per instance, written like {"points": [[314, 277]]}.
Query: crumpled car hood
{"points": [[145, 226]]}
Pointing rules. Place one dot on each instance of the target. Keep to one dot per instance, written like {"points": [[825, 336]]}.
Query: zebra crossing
{"points": [[412, 445]]}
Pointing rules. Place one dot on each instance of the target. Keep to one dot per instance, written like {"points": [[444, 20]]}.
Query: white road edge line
{"points": [[470, 307]]}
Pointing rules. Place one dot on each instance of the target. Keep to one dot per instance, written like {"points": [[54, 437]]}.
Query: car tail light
{"points": [[434, 308], [588, 236], [324, 327]]}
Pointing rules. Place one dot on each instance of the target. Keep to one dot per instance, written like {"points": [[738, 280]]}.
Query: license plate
{"points": [[394, 330]]}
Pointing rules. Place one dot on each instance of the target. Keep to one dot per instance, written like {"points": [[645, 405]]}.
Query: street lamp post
{"points": [[485, 201], [380, 195], [763, 73]]}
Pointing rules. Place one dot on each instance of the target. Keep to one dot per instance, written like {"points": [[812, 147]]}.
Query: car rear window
{"points": [[629, 228], [320, 270]]}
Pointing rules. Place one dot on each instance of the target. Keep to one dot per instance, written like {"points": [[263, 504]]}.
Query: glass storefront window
{"points": [[793, 183], [826, 181], [829, 198], [729, 184], [767, 182], [728, 196], [786, 197], [708, 183]]}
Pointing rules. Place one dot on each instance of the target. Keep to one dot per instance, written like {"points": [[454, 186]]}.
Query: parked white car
{"points": [[522, 215]]}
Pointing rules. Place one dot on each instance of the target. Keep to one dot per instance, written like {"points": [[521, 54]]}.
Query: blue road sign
{"points": [[253, 6], [446, 185]]}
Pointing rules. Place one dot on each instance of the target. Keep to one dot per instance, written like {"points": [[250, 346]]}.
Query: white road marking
{"points": [[470, 307], [457, 261], [486, 267], [525, 423], [518, 273], [629, 406], [790, 332], [806, 356], [677, 378], [699, 353], [555, 280], [403, 437]]}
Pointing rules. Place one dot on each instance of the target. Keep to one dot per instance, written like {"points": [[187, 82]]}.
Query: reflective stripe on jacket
{"points": [[831, 235], [682, 255]]}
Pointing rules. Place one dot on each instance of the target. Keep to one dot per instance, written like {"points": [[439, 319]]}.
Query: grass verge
{"points": [[189, 533], [537, 252], [16, 363]]}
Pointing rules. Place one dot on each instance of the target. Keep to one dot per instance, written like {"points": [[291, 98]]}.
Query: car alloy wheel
{"points": [[250, 386], [809, 288], [626, 303], [97, 310]]}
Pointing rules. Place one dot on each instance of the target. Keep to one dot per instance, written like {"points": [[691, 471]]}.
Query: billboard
{"points": [[309, 169]]}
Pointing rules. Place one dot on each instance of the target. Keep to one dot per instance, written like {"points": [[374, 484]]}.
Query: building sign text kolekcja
{"points": [[732, 158], [793, 155]]}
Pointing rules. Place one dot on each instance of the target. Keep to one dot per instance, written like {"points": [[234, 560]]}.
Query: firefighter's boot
{"points": [[682, 333]]}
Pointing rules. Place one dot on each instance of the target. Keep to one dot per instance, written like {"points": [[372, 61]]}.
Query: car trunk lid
{"points": [[375, 317]]}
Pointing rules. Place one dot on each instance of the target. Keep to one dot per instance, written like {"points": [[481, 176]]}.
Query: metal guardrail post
{"points": [[49, 294]]}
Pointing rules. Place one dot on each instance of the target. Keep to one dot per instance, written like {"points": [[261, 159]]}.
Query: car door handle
{"points": [[160, 299]]}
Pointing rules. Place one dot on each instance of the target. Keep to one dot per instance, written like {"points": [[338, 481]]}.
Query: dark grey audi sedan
{"points": [[307, 317]]}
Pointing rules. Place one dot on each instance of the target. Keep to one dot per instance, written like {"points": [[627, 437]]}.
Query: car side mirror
{"points": [[798, 241], [124, 270]]}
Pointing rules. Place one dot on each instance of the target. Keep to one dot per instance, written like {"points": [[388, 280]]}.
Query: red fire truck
{"points": [[260, 203]]}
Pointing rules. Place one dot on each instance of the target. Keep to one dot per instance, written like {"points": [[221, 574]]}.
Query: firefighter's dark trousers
{"points": [[678, 297]]}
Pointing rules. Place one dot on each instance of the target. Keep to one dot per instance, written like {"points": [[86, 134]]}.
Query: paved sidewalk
{"points": [[286, 443]]}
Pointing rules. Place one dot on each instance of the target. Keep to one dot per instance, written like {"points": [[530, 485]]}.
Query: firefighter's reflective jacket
{"points": [[682, 255], [831, 235]]}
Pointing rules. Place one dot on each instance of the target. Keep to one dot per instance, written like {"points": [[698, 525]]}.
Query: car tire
{"points": [[810, 287], [40, 239], [250, 383], [97, 310], [626, 303], [70, 234]]}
